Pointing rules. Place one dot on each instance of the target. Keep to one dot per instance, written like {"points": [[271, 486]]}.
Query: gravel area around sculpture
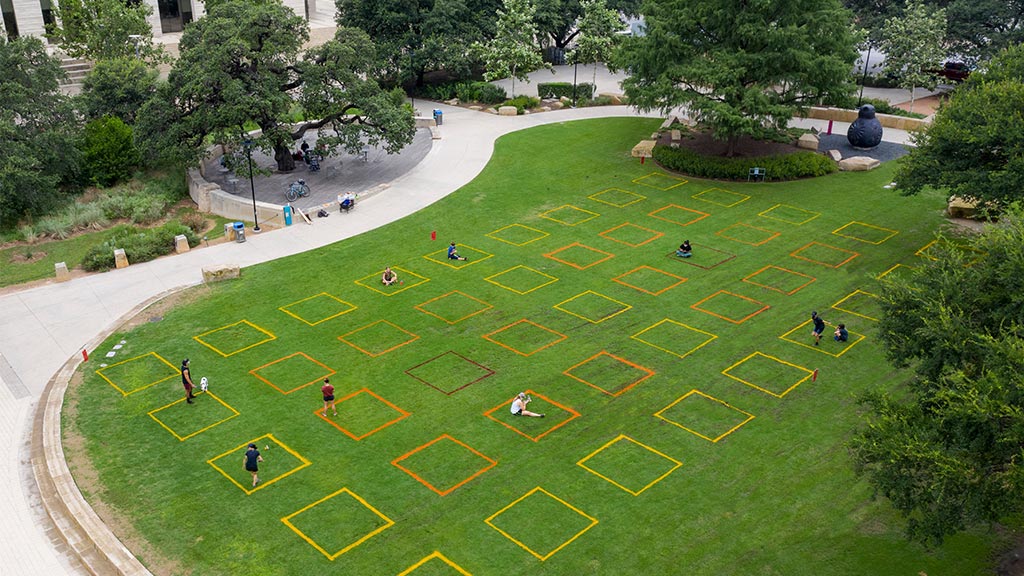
{"points": [[884, 152]]}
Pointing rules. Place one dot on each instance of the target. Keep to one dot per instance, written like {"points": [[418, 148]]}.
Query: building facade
{"points": [[168, 18]]}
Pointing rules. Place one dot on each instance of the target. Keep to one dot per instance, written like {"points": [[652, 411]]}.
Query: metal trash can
{"points": [[287, 214], [438, 117], [239, 229]]}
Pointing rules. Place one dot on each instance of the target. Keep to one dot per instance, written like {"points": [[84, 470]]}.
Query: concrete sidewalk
{"points": [[43, 326]]}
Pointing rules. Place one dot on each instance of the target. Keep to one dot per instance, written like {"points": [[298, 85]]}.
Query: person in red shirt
{"points": [[328, 391]]}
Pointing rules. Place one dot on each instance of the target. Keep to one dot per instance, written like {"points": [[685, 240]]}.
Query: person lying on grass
{"points": [[519, 406]]}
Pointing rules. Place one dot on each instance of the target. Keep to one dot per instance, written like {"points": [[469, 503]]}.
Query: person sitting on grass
{"points": [[453, 254], [841, 335], [388, 277], [685, 251], [519, 406]]}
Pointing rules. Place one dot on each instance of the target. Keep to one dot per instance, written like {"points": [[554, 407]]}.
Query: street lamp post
{"points": [[135, 38], [252, 185], [412, 70]]}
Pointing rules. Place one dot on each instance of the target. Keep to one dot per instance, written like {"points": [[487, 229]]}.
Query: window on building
{"points": [[10, 22]]}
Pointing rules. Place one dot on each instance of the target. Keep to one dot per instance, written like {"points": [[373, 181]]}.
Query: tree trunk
{"points": [[912, 88], [283, 156], [730, 146]]}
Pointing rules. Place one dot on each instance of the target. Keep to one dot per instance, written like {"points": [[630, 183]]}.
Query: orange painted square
{"points": [[572, 416]]}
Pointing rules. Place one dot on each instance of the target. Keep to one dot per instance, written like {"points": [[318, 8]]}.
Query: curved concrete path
{"points": [[42, 327]]}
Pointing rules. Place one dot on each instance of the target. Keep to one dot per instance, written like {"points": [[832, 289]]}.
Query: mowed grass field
{"points": [[685, 432]]}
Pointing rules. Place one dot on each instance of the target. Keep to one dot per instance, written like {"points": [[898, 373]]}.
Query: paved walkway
{"points": [[43, 326]]}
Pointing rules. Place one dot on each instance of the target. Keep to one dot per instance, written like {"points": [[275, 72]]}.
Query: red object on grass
{"points": [[642, 159], [85, 355], [814, 376], [433, 235]]}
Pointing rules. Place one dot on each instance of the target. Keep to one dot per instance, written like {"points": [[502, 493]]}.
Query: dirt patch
{"points": [[705, 144], [28, 256], [927, 105]]}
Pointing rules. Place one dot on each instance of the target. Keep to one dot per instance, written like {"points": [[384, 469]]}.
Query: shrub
{"points": [[140, 245], [117, 87], [584, 90], [194, 220], [784, 167], [602, 101], [110, 153], [484, 92], [522, 103]]}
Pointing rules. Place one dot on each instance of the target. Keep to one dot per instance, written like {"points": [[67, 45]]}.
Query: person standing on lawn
{"points": [[252, 459], [328, 392], [186, 381], [819, 327]]}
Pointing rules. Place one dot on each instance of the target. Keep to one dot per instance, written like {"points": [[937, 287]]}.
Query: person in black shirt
{"points": [[819, 327], [252, 459], [186, 381]]}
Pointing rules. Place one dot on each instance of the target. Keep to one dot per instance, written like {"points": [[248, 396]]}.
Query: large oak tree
{"points": [[948, 451], [243, 64], [740, 68]]}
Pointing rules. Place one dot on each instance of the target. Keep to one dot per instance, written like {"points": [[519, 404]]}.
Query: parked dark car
{"points": [[952, 71]]}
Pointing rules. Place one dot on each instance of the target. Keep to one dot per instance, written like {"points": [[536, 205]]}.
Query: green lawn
{"points": [[650, 460]]}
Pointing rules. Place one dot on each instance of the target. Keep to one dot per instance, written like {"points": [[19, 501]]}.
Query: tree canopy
{"points": [[241, 66], [104, 29], [948, 454], [598, 34], [117, 87], [38, 129], [974, 147], [912, 43], [512, 52], [421, 35], [741, 69]]}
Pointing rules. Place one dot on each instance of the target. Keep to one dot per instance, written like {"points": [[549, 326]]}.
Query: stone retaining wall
{"points": [[887, 120]]}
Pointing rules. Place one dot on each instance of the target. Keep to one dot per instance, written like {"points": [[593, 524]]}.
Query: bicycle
{"points": [[297, 189]]}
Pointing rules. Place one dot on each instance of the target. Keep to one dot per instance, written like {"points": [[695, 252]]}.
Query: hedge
{"points": [[584, 90], [139, 244], [783, 167]]}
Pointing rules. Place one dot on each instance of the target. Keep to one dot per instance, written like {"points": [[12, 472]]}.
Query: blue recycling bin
{"points": [[239, 228], [438, 117], [287, 214]]}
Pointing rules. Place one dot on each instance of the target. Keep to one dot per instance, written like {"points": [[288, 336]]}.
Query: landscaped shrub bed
{"points": [[784, 167], [140, 245], [522, 103], [584, 90], [483, 92]]}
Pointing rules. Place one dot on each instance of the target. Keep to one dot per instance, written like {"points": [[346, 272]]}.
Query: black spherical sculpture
{"points": [[866, 130]]}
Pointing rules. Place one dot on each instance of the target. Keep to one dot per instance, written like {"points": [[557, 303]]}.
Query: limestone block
{"points": [[615, 99], [120, 259], [645, 149], [476, 108], [221, 272], [565, 99], [435, 133], [507, 111], [61, 268], [858, 164], [807, 142], [452, 102], [525, 112], [676, 135], [556, 105], [492, 111], [961, 208], [835, 155], [181, 244], [544, 109], [668, 122]]}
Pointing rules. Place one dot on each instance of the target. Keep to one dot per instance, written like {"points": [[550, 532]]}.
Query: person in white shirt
{"points": [[519, 406]]}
